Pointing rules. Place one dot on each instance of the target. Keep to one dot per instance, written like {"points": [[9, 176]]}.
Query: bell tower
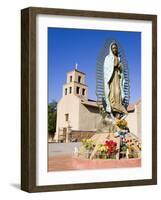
{"points": [[75, 84]]}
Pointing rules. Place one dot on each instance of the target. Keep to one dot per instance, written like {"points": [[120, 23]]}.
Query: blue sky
{"points": [[69, 46]]}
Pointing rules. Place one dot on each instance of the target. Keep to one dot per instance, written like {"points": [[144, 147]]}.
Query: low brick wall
{"points": [[81, 163], [69, 162]]}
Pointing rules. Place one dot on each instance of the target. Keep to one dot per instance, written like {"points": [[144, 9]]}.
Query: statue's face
{"points": [[114, 49]]}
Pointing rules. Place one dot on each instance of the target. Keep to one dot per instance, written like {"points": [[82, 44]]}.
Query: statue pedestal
{"points": [[106, 126], [112, 141]]}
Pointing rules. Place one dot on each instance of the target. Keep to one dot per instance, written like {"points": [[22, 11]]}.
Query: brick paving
{"points": [[69, 162]]}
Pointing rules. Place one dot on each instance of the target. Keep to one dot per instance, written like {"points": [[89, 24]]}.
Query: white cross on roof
{"points": [[76, 65]]}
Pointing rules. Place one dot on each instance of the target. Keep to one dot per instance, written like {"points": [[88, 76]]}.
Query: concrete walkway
{"points": [[55, 149]]}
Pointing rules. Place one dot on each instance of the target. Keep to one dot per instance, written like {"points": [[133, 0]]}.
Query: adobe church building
{"points": [[78, 114]]}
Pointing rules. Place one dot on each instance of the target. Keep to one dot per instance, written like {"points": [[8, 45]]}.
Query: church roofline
{"points": [[131, 107], [76, 71], [92, 100], [137, 102], [93, 103]]}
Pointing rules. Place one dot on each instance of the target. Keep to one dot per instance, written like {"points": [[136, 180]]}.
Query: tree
{"points": [[52, 115]]}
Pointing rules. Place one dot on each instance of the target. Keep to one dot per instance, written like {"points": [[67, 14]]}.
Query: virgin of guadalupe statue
{"points": [[114, 83]]}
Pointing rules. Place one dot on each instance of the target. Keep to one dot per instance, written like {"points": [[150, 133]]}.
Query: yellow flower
{"points": [[102, 148], [121, 122], [88, 144]]}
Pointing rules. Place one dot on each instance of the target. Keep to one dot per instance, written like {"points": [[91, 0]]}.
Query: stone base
{"points": [[106, 126]]}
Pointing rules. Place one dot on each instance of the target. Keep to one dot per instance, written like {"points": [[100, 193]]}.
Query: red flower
{"points": [[111, 145]]}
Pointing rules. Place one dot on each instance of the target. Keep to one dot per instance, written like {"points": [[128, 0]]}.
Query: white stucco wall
{"points": [[134, 120], [88, 118], [69, 104]]}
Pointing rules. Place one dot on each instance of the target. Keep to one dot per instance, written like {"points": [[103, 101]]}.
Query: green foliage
{"points": [[88, 144], [52, 115], [124, 148]]}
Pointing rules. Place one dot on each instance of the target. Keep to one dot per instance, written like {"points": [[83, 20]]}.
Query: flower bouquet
{"points": [[102, 151], [121, 123], [112, 148], [132, 152], [107, 150]]}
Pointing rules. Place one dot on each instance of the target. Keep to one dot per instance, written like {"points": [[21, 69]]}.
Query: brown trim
{"points": [[28, 98], [154, 99], [87, 13], [24, 101], [90, 105]]}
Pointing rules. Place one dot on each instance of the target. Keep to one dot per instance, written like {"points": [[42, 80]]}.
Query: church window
{"points": [[77, 90], [70, 78], [83, 91], [66, 117], [79, 79], [70, 90], [65, 91]]}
